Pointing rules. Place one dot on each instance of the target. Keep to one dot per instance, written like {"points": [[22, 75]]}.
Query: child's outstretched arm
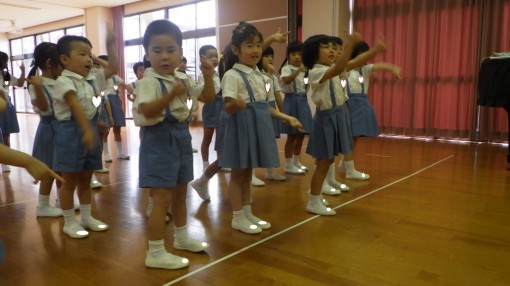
{"points": [[208, 93], [292, 121], [83, 123], [341, 62], [40, 98], [113, 61], [289, 79], [127, 87], [363, 58], [36, 168], [21, 79], [278, 37], [387, 67], [154, 108]]}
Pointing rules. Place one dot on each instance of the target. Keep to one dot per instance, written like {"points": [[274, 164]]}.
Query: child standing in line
{"points": [[163, 107], [361, 113], [77, 150], [8, 119], [266, 66], [138, 69], [331, 133], [119, 118], [295, 104], [210, 112], [40, 89], [249, 136]]}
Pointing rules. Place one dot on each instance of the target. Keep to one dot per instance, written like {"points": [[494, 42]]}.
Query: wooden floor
{"points": [[433, 213]]}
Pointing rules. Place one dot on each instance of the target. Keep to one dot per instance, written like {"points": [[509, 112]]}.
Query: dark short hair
{"points": [[161, 27]]}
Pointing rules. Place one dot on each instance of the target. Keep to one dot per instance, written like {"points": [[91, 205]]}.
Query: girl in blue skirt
{"points": [[249, 140], [361, 113], [8, 119], [41, 93]]}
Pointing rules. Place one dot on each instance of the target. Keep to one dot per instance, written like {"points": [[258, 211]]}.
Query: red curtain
{"points": [[437, 45]]}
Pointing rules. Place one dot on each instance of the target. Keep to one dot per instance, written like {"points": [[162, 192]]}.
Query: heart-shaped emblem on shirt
{"points": [[96, 100], [343, 82], [268, 87], [189, 103]]}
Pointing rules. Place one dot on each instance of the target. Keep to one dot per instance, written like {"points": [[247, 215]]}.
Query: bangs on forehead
{"points": [[255, 38]]}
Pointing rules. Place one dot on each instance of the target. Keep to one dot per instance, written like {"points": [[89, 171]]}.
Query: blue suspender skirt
{"points": [[119, 118], [220, 130], [296, 105], [249, 140], [331, 132], [45, 134], [211, 112], [277, 124], [8, 119], [166, 156], [362, 114]]}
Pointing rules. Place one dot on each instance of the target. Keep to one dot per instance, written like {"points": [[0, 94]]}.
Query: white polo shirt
{"points": [[353, 77], [232, 84], [72, 81], [319, 92], [216, 80], [49, 83], [148, 89], [299, 80]]}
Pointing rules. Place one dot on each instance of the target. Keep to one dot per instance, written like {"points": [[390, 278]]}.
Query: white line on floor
{"points": [[300, 223]]}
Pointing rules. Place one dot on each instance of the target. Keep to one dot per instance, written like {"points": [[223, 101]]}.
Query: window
{"points": [[22, 51], [197, 21]]}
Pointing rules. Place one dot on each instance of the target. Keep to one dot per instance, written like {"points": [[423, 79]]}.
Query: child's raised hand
{"points": [[206, 66], [111, 38], [380, 45], [22, 68], [35, 80], [353, 38], [177, 89], [296, 124], [279, 36], [39, 170], [396, 71]]}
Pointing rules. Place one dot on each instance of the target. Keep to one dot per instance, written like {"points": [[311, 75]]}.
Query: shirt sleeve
{"points": [[146, 90], [229, 86], [286, 71], [62, 86]]}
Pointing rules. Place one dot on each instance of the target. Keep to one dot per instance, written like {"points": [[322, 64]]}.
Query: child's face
{"points": [[339, 50], [250, 52], [139, 72], [268, 62], [182, 66], [164, 54], [79, 59], [211, 55], [327, 54], [295, 59]]}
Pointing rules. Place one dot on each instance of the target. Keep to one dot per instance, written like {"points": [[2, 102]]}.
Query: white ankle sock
{"points": [[44, 201], [295, 159], [118, 144], [69, 217], [289, 162], [106, 152], [86, 212], [181, 234], [350, 166], [157, 247]]}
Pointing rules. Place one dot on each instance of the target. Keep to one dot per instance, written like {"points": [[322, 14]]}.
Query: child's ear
{"points": [[234, 50], [64, 59]]}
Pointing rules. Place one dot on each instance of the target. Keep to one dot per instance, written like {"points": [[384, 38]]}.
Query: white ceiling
{"points": [[29, 13]]}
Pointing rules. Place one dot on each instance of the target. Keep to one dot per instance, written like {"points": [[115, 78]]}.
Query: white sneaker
{"points": [[356, 175], [95, 184], [319, 209], [123, 156], [48, 211], [292, 169], [337, 185], [75, 230], [275, 177], [6, 168], [107, 158], [102, 170], [322, 199], [192, 245], [256, 181], [244, 225], [261, 223], [301, 166], [166, 261], [329, 190], [201, 189]]}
